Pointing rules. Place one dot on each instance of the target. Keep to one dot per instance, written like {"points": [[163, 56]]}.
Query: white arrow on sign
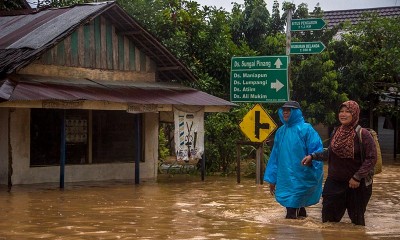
{"points": [[278, 63], [277, 85]]}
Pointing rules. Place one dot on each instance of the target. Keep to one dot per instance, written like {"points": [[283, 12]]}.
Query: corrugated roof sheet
{"points": [[23, 38], [35, 30], [334, 18], [31, 88]]}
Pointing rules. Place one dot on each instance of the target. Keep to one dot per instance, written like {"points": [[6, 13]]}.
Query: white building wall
{"points": [[24, 174], [150, 167]]}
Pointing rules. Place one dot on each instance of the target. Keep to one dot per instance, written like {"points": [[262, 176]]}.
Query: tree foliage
{"points": [[10, 5], [368, 59]]}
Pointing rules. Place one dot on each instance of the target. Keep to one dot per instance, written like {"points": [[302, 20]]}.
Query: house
{"points": [[354, 16], [83, 90]]}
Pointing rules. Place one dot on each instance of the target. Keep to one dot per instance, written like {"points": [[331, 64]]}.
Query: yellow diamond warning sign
{"points": [[257, 125]]}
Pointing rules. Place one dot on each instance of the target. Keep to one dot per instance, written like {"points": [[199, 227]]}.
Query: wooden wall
{"points": [[96, 45]]}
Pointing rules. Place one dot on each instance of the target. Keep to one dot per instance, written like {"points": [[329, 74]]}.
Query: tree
{"points": [[237, 27], [368, 58], [10, 5], [277, 23], [256, 21], [316, 86]]}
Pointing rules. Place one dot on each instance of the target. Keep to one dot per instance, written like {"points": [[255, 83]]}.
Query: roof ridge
{"points": [[363, 9], [354, 16]]}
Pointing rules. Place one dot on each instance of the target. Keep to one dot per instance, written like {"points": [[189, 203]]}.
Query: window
{"points": [[113, 137], [45, 137]]}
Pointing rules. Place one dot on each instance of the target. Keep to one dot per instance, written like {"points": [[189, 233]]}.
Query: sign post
{"points": [[259, 79], [257, 125]]}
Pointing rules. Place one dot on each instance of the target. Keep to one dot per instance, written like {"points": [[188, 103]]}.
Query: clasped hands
{"points": [[306, 161]]}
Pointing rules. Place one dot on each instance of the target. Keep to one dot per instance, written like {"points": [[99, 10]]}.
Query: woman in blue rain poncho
{"points": [[294, 185]]}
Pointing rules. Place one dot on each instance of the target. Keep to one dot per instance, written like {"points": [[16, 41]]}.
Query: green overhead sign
{"points": [[306, 47], [307, 24], [259, 79]]}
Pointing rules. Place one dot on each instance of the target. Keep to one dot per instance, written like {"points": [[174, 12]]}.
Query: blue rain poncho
{"points": [[296, 185]]}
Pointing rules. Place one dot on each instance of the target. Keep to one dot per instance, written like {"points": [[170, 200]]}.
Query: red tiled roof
{"points": [[333, 18]]}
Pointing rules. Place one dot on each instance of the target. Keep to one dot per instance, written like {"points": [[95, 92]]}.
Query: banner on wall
{"points": [[189, 134]]}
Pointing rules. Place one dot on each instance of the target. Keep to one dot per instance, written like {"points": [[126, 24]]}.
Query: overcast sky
{"points": [[326, 5]]}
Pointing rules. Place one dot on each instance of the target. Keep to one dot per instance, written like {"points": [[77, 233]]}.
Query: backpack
{"points": [[378, 165]]}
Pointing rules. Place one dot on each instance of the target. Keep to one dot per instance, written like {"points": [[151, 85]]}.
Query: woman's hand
{"points": [[272, 189], [353, 183], [306, 160]]}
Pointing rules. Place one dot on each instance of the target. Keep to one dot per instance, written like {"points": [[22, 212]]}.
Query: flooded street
{"points": [[183, 207]]}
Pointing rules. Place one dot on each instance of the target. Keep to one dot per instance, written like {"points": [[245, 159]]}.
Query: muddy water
{"points": [[183, 207]]}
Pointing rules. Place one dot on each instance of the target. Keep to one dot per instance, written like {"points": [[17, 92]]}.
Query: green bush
{"points": [[163, 151]]}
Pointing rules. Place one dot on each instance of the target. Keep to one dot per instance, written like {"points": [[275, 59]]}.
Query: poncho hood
{"points": [[296, 116]]}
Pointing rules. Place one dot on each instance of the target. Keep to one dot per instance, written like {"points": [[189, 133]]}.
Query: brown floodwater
{"points": [[183, 207]]}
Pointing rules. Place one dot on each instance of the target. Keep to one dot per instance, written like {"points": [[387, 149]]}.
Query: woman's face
{"points": [[345, 116], [286, 113]]}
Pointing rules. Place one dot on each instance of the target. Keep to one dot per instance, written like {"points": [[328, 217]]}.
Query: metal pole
{"points": [[203, 166], [10, 157], [396, 139], [238, 163], [62, 151], [138, 149], [258, 163], [288, 42], [288, 31], [262, 169]]}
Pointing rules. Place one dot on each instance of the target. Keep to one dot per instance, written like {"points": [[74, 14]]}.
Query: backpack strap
{"points": [[359, 135]]}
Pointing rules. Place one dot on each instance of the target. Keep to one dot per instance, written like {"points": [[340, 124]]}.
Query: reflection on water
{"points": [[182, 207]]}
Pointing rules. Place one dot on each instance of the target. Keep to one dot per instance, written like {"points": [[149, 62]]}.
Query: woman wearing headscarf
{"points": [[347, 186], [295, 186]]}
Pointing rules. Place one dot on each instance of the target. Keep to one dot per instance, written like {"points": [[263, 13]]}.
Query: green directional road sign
{"points": [[306, 47], [307, 24], [259, 79]]}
